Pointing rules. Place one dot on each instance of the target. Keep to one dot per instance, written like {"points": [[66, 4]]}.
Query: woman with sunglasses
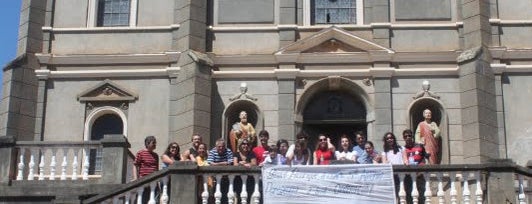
{"points": [[171, 154], [323, 154]]}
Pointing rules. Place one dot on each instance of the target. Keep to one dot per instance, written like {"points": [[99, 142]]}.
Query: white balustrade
{"points": [[64, 165], [231, 193], [428, 191], [218, 192], [20, 174], [205, 193], [75, 165], [244, 193], [140, 190], [164, 194], [152, 193], [31, 171], [256, 194], [478, 192], [402, 192], [415, 192], [52, 164], [521, 193], [86, 164], [440, 193], [454, 192], [466, 194], [41, 167]]}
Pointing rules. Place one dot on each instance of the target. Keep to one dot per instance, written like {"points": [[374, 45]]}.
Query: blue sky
{"points": [[9, 20]]}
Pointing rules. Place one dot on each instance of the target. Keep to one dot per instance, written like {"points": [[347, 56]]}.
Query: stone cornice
{"points": [[504, 68], [163, 58], [510, 54], [111, 29], [272, 28], [365, 72], [170, 72], [335, 58]]}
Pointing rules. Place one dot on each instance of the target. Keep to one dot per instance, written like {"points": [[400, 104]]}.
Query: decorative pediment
{"points": [[107, 91], [332, 39]]}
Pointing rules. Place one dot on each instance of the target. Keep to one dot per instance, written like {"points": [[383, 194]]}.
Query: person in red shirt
{"points": [[414, 153], [146, 161], [323, 154], [263, 149]]}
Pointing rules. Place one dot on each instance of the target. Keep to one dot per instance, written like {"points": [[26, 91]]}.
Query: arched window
{"points": [[103, 125]]}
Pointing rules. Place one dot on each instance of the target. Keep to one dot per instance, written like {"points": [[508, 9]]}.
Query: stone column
{"points": [[383, 110], [114, 159], [477, 85], [286, 80], [8, 165], [184, 186], [190, 101], [287, 22]]}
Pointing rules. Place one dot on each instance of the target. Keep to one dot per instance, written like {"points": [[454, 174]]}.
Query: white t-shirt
{"points": [[394, 158], [345, 155]]}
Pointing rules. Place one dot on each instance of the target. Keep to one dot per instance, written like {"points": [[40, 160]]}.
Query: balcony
{"points": [[59, 172]]}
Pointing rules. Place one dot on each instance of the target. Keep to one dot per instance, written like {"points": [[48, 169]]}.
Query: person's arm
{"points": [[417, 135], [405, 157], [436, 130], [290, 152], [135, 172], [235, 161], [384, 159], [330, 145], [167, 160], [315, 162]]}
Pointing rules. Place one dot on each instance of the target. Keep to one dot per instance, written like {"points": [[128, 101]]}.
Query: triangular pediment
{"points": [[333, 40], [107, 91]]}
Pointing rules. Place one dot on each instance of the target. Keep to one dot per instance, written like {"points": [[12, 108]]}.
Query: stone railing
{"points": [[479, 183], [63, 160]]}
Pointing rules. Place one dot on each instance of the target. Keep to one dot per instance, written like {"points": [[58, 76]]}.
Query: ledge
{"points": [[111, 29]]}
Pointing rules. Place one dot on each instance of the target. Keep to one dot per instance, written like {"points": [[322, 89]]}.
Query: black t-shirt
{"points": [[249, 156]]}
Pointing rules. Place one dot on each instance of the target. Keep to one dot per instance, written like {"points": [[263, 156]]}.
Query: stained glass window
{"points": [[113, 12], [334, 12]]}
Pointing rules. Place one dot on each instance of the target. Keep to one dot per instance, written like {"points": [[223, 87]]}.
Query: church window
{"points": [[113, 13], [335, 12]]}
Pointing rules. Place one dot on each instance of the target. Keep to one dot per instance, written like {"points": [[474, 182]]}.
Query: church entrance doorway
{"points": [[334, 113]]}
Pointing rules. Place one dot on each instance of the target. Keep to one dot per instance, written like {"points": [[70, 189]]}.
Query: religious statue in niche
{"points": [[242, 130], [428, 134]]}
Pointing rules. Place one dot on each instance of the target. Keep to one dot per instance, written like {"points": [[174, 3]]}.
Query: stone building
{"points": [[171, 68]]}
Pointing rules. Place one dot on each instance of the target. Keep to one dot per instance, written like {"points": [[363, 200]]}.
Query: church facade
{"points": [[172, 68]]}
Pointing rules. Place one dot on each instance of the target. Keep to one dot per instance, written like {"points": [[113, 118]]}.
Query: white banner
{"points": [[352, 183]]}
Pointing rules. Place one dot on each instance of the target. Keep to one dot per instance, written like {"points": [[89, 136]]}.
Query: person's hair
{"points": [[177, 156], [220, 140], [195, 134], [370, 144], [409, 132], [301, 135], [361, 134], [205, 153], [394, 146], [348, 140], [273, 148], [264, 133], [242, 142], [281, 141], [148, 140], [303, 145]]}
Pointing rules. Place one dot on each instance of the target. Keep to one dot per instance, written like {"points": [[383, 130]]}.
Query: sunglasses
{"points": [[173, 147]]}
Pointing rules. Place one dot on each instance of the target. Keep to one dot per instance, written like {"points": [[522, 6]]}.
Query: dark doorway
{"points": [[334, 113], [104, 125]]}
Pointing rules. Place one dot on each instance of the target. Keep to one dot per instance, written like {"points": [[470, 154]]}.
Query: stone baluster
{"points": [[64, 164], [440, 193], [402, 192], [41, 166], [86, 164], [521, 193], [164, 194], [218, 192], [466, 194], [256, 193], [454, 193], [52, 164], [152, 193], [205, 193], [127, 198], [20, 174], [75, 164], [244, 193], [31, 165], [415, 192], [428, 191], [140, 190], [478, 191], [115, 199], [231, 192]]}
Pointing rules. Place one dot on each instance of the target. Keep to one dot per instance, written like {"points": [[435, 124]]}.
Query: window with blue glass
{"points": [[113, 13], [334, 12]]}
